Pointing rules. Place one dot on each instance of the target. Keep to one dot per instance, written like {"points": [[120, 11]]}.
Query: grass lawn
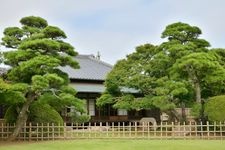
{"points": [[117, 145]]}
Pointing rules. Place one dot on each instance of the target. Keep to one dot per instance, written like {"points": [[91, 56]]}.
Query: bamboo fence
{"points": [[130, 130]]}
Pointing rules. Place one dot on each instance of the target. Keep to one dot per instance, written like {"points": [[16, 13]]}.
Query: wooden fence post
{"points": [[161, 130], [130, 129], [30, 132], [135, 124], [53, 131], [65, 131], [221, 134], [207, 123], [201, 126], [2, 131]]}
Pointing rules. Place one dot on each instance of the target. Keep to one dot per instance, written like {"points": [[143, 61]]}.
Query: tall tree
{"points": [[193, 61], [146, 71], [37, 52], [179, 70]]}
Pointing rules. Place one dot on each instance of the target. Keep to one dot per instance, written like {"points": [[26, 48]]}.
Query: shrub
{"points": [[77, 118], [215, 108], [44, 113], [11, 114], [38, 113], [196, 110]]}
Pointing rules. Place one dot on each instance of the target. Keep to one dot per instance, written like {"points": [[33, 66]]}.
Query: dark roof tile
{"points": [[90, 68]]}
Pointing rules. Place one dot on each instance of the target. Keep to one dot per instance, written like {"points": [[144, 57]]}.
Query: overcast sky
{"points": [[116, 27]]}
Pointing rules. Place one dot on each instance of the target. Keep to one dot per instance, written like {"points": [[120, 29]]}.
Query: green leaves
{"points": [[168, 74], [3, 85], [202, 66], [13, 57], [12, 93], [12, 97], [104, 99], [215, 108], [13, 31], [44, 46], [163, 103], [67, 48], [125, 102], [181, 31], [33, 21], [22, 87], [54, 80], [53, 32], [39, 83], [39, 65], [12, 37], [34, 76]]}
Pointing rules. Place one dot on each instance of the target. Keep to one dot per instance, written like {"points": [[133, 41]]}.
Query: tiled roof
{"points": [[90, 68]]}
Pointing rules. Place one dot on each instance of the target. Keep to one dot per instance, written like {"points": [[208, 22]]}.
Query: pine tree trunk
{"points": [[199, 101], [21, 119], [198, 92], [192, 75], [183, 112], [197, 89]]}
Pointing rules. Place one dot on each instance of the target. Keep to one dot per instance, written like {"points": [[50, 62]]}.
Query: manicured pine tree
{"points": [[34, 81]]}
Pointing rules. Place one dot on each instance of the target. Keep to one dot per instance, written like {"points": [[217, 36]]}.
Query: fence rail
{"points": [[137, 130]]}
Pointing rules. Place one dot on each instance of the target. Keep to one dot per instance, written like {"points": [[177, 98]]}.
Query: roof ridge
{"points": [[92, 57], [84, 55], [101, 62]]}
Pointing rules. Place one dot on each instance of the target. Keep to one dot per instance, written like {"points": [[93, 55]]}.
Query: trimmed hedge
{"points": [[38, 113], [44, 113], [215, 108]]}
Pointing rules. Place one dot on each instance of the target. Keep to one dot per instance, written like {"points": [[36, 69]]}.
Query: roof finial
{"points": [[98, 56]]}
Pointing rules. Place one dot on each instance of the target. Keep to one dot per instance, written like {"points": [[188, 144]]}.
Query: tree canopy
{"points": [[215, 108], [34, 80], [181, 70]]}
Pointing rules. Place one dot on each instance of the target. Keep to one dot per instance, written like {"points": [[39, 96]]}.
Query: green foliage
{"points": [[39, 83], [3, 85], [11, 97], [215, 108], [13, 37], [196, 110], [125, 102], [13, 57], [203, 68], [104, 99], [179, 71], [53, 32], [163, 103], [54, 80], [44, 113], [181, 31], [67, 48], [44, 46], [76, 118], [33, 21], [11, 114], [53, 100], [70, 100], [38, 52], [68, 89]]}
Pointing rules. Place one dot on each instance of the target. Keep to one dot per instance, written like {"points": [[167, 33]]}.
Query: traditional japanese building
{"points": [[89, 79]]}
